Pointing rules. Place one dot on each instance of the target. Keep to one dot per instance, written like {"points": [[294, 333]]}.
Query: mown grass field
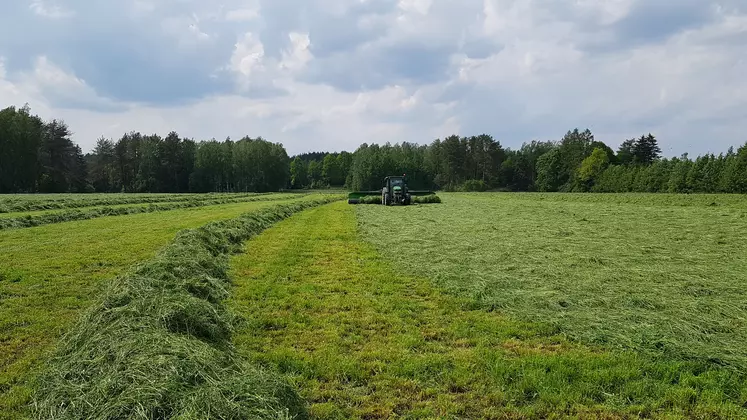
{"points": [[504, 306], [50, 273], [488, 305], [664, 274]]}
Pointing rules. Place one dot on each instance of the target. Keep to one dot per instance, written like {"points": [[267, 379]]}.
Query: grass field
{"points": [[661, 274], [363, 335], [488, 305], [50, 273]]}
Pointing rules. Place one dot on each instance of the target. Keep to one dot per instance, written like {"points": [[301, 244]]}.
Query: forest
{"points": [[40, 156]]}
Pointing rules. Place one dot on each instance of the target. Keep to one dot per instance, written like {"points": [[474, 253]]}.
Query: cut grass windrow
{"points": [[158, 343], [10, 205], [426, 199], [25, 214], [71, 215]]}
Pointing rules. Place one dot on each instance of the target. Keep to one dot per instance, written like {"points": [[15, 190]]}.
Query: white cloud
{"points": [[52, 11], [186, 30], [298, 55], [242, 15], [9, 93], [605, 12], [248, 56], [417, 6], [143, 6]]}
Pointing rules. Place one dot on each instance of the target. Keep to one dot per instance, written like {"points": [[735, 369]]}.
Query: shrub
{"points": [[472, 185]]}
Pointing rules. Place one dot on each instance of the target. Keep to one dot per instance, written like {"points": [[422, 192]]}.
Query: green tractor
{"points": [[394, 192]]}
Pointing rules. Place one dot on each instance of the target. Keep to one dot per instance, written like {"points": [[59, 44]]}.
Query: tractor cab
{"points": [[395, 191], [397, 183]]}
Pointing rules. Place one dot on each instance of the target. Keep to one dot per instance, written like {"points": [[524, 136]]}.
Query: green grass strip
{"points": [[72, 215], [158, 342]]}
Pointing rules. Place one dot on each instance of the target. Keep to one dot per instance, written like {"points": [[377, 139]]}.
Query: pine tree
{"points": [[646, 150], [625, 152]]}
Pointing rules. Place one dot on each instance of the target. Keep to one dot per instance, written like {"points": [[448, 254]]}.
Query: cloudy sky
{"points": [[331, 74]]}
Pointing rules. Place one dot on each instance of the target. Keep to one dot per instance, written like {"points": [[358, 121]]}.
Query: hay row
{"points": [[82, 200], [426, 199], [418, 199], [72, 215], [158, 342]]}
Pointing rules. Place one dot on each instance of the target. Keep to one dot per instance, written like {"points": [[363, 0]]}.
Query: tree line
{"points": [[39, 156], [138, 163], [576, 163]]}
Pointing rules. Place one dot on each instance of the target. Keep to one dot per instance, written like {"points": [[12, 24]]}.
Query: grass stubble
{"points": [[658, 274]]}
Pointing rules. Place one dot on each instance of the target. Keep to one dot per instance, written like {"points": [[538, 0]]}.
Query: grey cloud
{"points": [[123, 57], [479, 49], [381, 66], [144, 73], [351, 56], [654, 21], [649, 22], [330, 33], [71, 102], [498, 111]]}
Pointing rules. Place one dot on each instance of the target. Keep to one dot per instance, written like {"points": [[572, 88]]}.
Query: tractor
{"points": [[394, 192]]}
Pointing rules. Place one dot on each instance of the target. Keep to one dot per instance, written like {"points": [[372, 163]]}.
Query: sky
{"points": [[332, 74]]}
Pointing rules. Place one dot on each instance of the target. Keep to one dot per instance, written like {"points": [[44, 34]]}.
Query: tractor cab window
{"points": [[397, 182]]}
